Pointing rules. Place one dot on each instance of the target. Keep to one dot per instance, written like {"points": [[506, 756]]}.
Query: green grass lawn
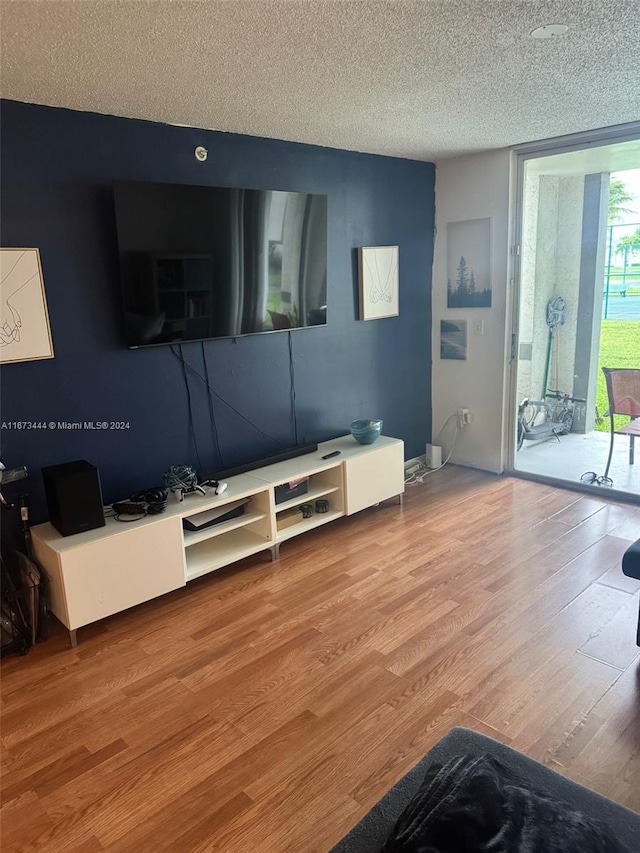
{"points": [[619, 347]]}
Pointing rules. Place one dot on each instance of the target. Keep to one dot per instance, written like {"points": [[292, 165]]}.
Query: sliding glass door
{"points": [[577, 311]]}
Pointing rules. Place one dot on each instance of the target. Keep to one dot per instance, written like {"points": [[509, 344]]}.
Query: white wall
{"points": [[473, 187], [550, 266]]}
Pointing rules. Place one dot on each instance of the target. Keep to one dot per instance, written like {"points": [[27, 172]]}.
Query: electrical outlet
{"points": [[464, 417]]}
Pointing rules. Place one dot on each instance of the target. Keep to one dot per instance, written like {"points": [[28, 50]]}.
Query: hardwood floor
{"points": [[266, 707]]}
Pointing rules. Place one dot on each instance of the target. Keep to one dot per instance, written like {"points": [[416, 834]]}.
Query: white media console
{"points": [[112, 568]]}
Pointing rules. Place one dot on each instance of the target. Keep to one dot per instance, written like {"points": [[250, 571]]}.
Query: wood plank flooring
{"points": [[268, 706]]}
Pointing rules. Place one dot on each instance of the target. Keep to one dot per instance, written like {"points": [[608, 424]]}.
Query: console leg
{"points": [[275, 552], [401, 499], [73, 639]]}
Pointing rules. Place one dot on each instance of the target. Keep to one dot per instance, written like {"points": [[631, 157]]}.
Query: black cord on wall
{"points": [[189, 404], [292, 380], [212, 414], [225, 402]]}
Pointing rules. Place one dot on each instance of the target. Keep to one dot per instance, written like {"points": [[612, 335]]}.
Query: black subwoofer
{"points": [[74, 496]]}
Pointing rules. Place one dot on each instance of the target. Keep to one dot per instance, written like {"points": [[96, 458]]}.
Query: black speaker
{"points": [[74, 496]]}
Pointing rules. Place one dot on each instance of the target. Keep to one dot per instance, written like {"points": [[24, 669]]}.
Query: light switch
{"points": [[478, 327]]}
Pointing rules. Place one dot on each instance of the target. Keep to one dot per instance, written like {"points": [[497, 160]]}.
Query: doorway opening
{"points": [[579, 312]]}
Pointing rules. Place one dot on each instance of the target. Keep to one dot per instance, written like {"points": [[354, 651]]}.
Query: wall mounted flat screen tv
{"points": [[216, 262]]}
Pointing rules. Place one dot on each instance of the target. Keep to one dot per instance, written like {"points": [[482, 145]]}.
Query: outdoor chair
{"points": [[623, 388]]}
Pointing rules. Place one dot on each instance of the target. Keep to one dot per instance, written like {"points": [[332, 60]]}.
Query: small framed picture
{"points": [[378, 275], [453, 339]]}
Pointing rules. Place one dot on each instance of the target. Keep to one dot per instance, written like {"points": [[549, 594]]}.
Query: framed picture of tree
{"points": [[469, 264]]}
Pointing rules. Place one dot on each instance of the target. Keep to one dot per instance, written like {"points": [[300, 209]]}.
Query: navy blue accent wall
{"points": [[57, 169]]}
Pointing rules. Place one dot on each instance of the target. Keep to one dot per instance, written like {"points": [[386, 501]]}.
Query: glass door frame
{"points": [[520, 155]]}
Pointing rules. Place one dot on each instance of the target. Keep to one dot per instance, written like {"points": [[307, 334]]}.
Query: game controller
{"points": [[180, 493], [218, 486]]}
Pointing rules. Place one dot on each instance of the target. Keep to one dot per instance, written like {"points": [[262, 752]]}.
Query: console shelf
{"points": [[315, 491], [219, 551], [192, 537], [307, 524], [101, 572]]}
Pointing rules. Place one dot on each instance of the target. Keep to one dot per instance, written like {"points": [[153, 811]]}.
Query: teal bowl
{"points": [[365, 431]]}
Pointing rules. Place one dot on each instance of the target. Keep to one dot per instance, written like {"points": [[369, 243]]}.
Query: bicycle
{"points": [[539, 419]]}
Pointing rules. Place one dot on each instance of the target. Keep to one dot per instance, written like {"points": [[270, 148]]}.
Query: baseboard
{"points": [[409, 463], [574, 486], [464, 463]]}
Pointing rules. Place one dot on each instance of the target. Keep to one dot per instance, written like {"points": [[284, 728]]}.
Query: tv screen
{"points": [[216, 262]]}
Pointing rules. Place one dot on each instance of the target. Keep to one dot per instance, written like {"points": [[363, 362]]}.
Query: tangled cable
{"points": [[181, 480]]}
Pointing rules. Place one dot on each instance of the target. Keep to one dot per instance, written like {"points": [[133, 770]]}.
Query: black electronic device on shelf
{"points": [[290, 490], [152, 501], [74, 496], [209, 517]]}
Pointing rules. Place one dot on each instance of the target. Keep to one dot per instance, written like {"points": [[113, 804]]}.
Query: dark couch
{"points": [[372, 831], [631, 568]]}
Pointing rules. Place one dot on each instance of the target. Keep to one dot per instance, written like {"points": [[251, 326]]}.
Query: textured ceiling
{"points": [[423, 80]]}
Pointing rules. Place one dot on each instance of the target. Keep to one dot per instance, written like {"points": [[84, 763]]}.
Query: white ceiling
{"points": [[423, 79]]}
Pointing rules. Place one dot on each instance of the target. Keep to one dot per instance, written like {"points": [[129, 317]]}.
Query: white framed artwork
{"points": [[378, 275], [25, 334]]}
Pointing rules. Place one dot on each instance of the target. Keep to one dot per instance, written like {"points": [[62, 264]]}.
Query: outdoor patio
{"points": [[577, 453]]}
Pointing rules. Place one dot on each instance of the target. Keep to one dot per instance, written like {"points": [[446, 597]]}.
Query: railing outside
{"points": [[620, 282]]}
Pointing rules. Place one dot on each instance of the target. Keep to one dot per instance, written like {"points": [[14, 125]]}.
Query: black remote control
{"points": [[331, 455]]}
